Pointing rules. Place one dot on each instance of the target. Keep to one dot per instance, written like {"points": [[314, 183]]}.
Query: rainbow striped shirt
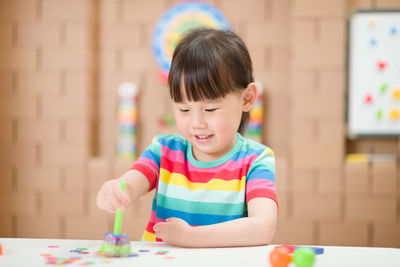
{"points": [[203, 193]]}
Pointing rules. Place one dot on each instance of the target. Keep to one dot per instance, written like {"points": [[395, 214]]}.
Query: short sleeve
{"points": [[261, 177], [149, 162]]}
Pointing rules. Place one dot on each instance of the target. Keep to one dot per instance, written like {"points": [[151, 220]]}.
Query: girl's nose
{"points": [[198, 121]]}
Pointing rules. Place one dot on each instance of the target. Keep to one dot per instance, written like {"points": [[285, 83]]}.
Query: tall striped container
{"points": [[253, 129], [127, 121]]}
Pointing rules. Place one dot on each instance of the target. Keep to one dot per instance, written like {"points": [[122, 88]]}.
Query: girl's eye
{"points": [[211, 109], [184, 110]]}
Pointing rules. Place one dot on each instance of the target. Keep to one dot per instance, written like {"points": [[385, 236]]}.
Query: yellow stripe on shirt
{"points": [[148, 236], [213, 184], [269, 151]]}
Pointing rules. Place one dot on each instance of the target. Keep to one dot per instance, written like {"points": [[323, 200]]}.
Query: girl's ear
{"points": [[249, 96]]}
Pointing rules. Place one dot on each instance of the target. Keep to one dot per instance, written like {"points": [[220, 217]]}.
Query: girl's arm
{"points": [[256, 229], [110, 196]]}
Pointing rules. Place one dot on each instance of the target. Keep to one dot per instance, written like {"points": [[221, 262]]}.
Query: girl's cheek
{"points": [[181, 120]]}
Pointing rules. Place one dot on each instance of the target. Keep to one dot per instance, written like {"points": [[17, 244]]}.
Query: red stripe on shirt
{"points": [[261, 192], [149, 227], [204, 177], [147, 172]]}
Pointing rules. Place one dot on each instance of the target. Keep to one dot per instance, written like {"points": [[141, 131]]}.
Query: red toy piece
{"points": [[1, 250], [280, 257]]}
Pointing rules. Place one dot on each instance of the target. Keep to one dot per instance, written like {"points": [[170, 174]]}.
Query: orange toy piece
{"points": [[1, 250], [280, 257]]}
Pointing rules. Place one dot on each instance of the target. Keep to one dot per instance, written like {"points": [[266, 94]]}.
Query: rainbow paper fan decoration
{"points": [[175, 22]]}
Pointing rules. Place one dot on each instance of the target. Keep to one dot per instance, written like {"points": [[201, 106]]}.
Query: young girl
{"points": [[214, 188]]}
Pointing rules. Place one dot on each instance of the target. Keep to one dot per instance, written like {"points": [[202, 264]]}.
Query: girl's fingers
{"points": [[120, 196], [106, 198], [113, 203], [111, 197], [157, 227]]}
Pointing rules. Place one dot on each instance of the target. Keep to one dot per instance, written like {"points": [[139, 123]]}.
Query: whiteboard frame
{"points": [[355, 134]]}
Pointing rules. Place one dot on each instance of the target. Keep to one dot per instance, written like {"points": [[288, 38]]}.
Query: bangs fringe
{"points": [[199, 84], [209, 64]]}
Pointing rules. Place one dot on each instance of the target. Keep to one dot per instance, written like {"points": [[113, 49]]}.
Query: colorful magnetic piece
{"points": [[372, 23], [368, 99], [175, 22], [280, 257], [394, 114], [303, 257], [292, 248], [372, 42], [379, 114], [316, 250], [396, 94], [381, 65], [87, 263], [130, 255], [51, 260], [383, 88], [393, 30], [1, 250], [80, 251]]}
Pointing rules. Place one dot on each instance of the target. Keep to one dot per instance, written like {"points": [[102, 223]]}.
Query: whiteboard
{"points": [[373, 73]]}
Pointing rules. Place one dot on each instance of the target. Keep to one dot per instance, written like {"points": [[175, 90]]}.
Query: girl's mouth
{"points": [[203, 138]]}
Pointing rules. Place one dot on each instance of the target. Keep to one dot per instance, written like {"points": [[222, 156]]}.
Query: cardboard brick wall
{"points": [[61, 62]]}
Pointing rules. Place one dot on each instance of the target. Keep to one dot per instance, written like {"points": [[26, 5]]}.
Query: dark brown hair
{"points": [[210, 64]]}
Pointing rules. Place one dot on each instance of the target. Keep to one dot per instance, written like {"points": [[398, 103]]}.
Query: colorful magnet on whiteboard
{"points": [[379, 114], [396, 94], [372, 23], [368, 99], [372, 41], [383, 88], [393, 30], [381, 65], [394, 114]]}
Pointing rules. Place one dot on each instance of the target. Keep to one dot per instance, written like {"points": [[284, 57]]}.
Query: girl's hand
{"points": [[174, 231], [110, 196]]}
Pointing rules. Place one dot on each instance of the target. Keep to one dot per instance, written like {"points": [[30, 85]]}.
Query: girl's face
{"points": [[211, 126]]}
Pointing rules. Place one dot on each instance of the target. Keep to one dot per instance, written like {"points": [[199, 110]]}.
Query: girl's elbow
{"points": [[269, 232]]}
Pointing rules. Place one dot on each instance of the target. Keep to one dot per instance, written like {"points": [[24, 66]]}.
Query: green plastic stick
{"points": [[118, 214]]}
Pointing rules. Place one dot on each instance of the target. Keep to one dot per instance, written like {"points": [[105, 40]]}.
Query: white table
{"points": [[27, 252]]}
